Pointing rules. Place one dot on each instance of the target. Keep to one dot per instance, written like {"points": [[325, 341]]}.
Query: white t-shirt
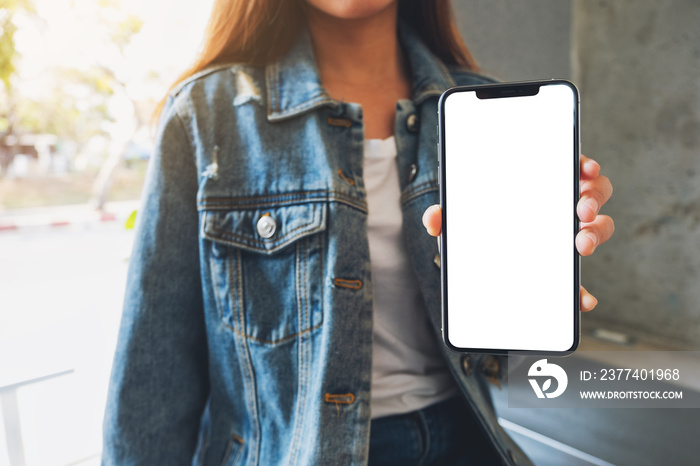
{"points": [[408, 370]]}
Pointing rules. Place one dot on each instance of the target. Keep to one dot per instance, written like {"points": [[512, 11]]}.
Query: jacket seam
{"points": [[252, 243], [301, 348], [240, 316], [215, 282], [186, 128], [277, 200], [248, 371], [298, 110], [270, 74], [418, 190], [200, 74], [272, 342]]}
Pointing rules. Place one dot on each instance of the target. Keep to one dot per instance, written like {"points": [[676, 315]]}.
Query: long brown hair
{"points": [[257, 32]]}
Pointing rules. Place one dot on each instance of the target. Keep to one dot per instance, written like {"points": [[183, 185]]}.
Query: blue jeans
{"points": [[442, 434]]}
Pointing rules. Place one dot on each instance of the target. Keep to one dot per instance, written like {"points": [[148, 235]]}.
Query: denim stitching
{"points": [[239, 240], [309, 321], [241, 331], [186, 127], [246, 242], [357, 204], [239, 314], [214, 274], [317, 101], [297, 416], [206, 71], [232, 288], [274, 342], [418, 190], [304, 340], [270, 73], [245, 203], [296, 195], [248, 372], [301, 284], [255, 242], [234, 279], [275, 86]]}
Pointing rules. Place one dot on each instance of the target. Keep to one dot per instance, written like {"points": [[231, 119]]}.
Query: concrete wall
{"points": [[517, 40], [637, 64]]}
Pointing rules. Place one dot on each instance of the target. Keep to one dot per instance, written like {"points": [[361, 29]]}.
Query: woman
{"points": [[256, 330]]}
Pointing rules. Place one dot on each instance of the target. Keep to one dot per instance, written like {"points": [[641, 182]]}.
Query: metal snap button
{"points": [[436, 260], [412, 172], [412, 123], [267, 226]]}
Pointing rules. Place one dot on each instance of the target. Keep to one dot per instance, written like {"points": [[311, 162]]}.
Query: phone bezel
{"points": [[507, 90]]}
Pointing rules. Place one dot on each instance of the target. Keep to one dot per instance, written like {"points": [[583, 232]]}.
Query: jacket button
{"points": [[467, 365], [412, 123], [412, 172], [436, 260], [267, 226], [512, 457]]}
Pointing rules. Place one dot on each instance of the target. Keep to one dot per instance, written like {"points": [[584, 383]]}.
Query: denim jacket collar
{"points": [[294, 85]]}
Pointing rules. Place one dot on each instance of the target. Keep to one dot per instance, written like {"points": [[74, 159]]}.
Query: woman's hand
{"points": [[595, 229]]}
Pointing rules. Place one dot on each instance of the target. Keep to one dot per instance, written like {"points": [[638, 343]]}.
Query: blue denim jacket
{"points": [[247, 329]]}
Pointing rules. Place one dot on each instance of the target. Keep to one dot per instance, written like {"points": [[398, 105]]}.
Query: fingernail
{"points": [[594, 239], [591, 165], [592, 204], [589, 302]]}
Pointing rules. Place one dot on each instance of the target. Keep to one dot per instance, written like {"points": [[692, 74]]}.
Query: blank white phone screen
{"points": [[509, 201]]}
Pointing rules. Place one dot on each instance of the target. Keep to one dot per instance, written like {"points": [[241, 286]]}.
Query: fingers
{"points": [[432, 220], [589, 168], [594, 234], [595, 190], [587, 301], [595, 229], [594, 193]]}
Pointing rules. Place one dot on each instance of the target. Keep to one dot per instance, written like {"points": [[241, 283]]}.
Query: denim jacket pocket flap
{"points": [[264, 230]]}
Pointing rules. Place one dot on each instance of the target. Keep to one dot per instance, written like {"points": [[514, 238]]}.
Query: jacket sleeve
{"points": [[159, 382]]}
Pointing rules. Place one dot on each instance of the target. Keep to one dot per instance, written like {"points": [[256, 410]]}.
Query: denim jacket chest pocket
{"points": [[266, 268]]}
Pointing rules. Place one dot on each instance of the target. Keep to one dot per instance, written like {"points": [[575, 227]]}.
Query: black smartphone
{"points": [[509, 184]]}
